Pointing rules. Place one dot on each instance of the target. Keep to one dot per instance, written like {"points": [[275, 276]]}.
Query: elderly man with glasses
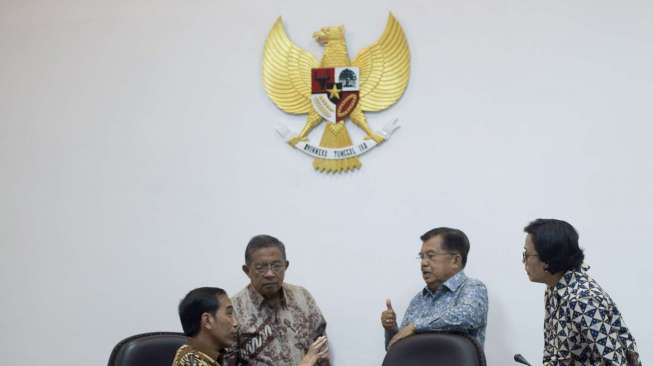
{"points": [[278, 321], [450, 300]]}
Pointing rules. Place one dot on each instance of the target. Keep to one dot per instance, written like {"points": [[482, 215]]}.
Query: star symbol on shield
{"points": [[334, 92]]}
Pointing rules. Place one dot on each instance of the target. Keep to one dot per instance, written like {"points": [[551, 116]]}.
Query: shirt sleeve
{"points": [[467, 313], [388, 336], [319, 325], [598, 333]]}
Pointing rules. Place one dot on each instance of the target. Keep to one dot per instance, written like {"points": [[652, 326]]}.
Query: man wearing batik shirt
{"points": [[582, 325], [451, 301], [278, 321], [207, 317]]}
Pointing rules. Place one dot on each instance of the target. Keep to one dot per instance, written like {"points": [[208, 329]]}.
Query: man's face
{"points": [[266, 271], [223, 324], [532, 264], [437, 264]]}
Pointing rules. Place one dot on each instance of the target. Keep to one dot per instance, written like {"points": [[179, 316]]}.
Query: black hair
{"points": [[453, 240], [263, 241], [556, 243], [194, 304]]}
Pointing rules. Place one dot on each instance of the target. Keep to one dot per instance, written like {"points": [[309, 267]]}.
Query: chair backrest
{"points": [[431, 349], [147, 349]]}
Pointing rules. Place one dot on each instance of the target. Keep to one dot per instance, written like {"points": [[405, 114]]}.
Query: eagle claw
{"points": [[376, 137], [295, 140]]}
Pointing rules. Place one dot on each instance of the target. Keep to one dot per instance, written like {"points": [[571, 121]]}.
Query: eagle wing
{"points": [[384, 68], [287, 72]]}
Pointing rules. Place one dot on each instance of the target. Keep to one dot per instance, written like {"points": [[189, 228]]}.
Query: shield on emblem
{"points": [[334, 91]]}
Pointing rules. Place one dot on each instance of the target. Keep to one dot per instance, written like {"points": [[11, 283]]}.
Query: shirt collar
{"points": [[258, 300], [570, 278], [210, 360], [453, 283]]}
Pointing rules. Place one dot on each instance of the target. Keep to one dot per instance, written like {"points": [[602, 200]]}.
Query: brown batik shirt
{"points": [[275, 336], [189, 356]]}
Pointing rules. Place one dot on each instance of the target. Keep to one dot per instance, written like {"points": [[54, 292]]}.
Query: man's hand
{"points": [[317, 351], [388, 317], [402, 333]]}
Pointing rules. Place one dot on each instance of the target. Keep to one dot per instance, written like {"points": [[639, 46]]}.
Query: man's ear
{"points": [[287, 264], [246, 269], [457, 259], [205, 321]]}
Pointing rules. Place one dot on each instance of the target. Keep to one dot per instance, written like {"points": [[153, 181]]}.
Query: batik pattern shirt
{"points": [[188, 356], [582, 325], [275, 336], [460, 304]]}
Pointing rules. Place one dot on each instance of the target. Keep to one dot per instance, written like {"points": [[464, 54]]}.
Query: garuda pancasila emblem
{"points": [[336, 88]]}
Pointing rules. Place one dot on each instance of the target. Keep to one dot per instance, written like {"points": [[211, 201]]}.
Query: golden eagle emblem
{"points": [[336, 88]]}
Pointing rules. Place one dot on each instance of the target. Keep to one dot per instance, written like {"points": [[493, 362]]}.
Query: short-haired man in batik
{"points": [[208, 321], [207, 317], [450, 301], [278, 321]]}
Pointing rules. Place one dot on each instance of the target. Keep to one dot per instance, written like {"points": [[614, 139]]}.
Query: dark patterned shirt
{"points": [[189, 356], [582, 326], [275, 336]]}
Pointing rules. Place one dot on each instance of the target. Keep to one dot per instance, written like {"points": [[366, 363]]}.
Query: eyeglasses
{"points": [[524, 256], [431, 255], [276, 267]]}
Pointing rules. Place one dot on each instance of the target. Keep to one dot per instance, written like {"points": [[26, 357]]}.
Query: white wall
{"points": [[138, 155]]}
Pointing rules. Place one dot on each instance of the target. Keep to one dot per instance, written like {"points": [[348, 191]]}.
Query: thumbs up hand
{"points": [[388, 317]]}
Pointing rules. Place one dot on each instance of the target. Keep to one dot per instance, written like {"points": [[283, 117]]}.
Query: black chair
{"points": [[438, 348], [147, 349]]}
